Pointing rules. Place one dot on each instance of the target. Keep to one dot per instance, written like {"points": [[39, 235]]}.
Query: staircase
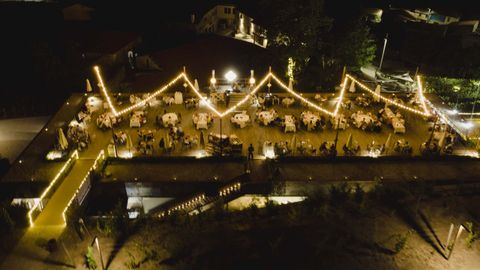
{"points": [[201, 202], [235, 98]]}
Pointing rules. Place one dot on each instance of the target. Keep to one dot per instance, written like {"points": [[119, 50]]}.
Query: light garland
{"points": [[230, 189], [340, 99], [421, 96], [72, 158], [197, 92], [245, 99], [104, 90], [257, 87], [300, 97], [387, 100], [100, 155]]}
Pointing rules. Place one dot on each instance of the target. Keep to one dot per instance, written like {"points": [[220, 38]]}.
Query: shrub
{"points": [[339, 193], [132, 262], [359, 194], [472, 235], [90, 260], [401, 241]]}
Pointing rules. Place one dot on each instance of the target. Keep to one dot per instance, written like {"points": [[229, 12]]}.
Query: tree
{"points": [[295, 30], [356, 48]]}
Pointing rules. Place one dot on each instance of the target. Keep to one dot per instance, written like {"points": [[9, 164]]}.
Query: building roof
{"points": [[33, 166], [99, 41], [199, 57], [77, 12]]}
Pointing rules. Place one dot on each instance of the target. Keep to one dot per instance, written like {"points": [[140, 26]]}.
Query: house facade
{"points": [[227, 20]]}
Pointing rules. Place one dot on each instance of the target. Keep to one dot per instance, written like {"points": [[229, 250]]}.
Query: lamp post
{"points": [[477, 84], [383, 51], [456, 89]]}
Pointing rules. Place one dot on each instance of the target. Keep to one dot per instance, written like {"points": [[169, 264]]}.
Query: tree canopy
{"points": [[318, 44]]}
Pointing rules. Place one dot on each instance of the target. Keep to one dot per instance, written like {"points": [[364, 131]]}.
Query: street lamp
{"points": [[456, 89], [383, 51], [477, 84]]}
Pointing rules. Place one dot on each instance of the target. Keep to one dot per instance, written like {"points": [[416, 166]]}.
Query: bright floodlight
{"points": [[230, 76]]}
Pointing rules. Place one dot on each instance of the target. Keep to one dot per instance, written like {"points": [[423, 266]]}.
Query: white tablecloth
{"points": [[178, 97], [168, 100], [201, 121], [169, 119], [240, 119], [339, 122], [137, 119], [290, 124], [310, 120], [266, 117], [398, 126]]}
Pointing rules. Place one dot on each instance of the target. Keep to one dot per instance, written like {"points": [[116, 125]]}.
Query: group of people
{"points": [[78, 134], [145, 141]]}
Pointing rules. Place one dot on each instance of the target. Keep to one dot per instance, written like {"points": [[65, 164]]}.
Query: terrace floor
{"points": [[256, 134]]}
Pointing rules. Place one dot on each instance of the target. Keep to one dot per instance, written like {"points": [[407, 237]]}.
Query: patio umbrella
{"points": [[352, 87], [349, 141], [89, 86], [377, 92], [62, 140], [167, 142], [388, 142], [294, 143], [196, 85], [441, 141], [129, 143]]}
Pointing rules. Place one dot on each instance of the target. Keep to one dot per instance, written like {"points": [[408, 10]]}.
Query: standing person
{"points": [[227, 99], [162, 144], [250, 152]]}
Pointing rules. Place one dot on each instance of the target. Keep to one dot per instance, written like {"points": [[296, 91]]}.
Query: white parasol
{"points": [[352, 87], [62, 140], [89, 86], [377, 92]]}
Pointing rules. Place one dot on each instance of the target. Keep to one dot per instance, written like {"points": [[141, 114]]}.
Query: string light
{"points": [[100, 155], [263, 81], [300, 97], [104, 90], [424, 113], [340, 99], [421, 96], [151, 96], [72, 158]]}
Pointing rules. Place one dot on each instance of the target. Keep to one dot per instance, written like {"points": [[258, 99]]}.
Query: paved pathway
{"points": [[52, 213]]}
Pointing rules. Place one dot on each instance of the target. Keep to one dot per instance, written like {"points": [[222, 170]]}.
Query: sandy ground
{"points": [[423, 250]]}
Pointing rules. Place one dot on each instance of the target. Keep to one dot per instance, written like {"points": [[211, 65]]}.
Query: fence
{"points": [[50, 190], [85, 185]]}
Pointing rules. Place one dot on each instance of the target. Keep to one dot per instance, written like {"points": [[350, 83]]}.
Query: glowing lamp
{"points": [[230, 76]]}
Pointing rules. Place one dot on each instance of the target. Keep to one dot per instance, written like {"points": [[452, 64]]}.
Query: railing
{"points": [[36, 210], [84, 186], [201, 199]]}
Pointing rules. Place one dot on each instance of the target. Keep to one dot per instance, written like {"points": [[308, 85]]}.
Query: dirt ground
{"points": [[329, 237]]}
